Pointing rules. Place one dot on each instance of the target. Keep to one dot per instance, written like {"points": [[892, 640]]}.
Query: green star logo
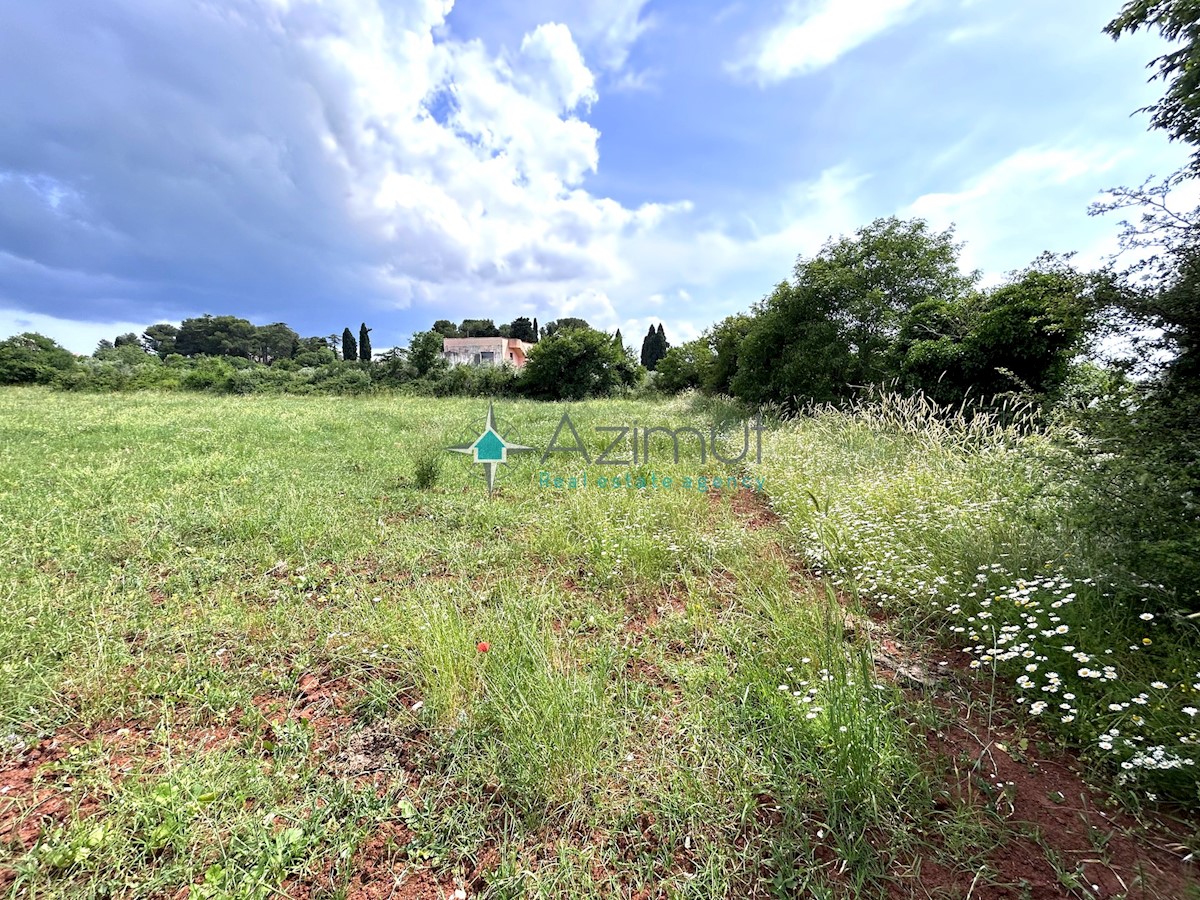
{"points": [[490, 449]]}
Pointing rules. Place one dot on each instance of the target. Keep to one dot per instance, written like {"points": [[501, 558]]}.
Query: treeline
{"points": [[891, 306], [226, 354], [232, 336]]}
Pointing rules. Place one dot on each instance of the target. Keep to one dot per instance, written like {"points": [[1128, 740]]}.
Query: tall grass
{"points": [[966, 528], [601, 692]]}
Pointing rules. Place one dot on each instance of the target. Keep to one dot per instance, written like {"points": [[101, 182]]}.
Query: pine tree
{"points": [[349, 348], [364, 343]]}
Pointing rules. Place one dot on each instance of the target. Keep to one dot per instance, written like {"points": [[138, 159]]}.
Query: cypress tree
{"points": [[661, 346], [364, 343], [536, 333], [349, 348], [647, 356], [618, 340]]}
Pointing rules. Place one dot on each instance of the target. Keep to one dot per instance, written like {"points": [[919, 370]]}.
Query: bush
{"points": [[576, 363], [33, 358], [210, 373], [427, 470], [344, 379]]}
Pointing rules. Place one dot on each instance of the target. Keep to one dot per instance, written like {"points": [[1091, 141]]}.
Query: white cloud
{"points": [[815, 33], [631, 81], [553, 69], [78, 337], [1019, 206], [678, 330], [612, 27], [351, 152], [348, 148]]}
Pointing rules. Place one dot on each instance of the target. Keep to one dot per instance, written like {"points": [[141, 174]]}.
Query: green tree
{"points": [[536, 334], [654, 347], [794, 349], [522, 329], [575, 363], [1157, 311], [364, 343], [425, 353], [274, 342], [648, 346], [1020, 337], [1178, 111], [552, 328], [216, 336], [128, 339], [478, 328], [1145, 431], [160, 339], [33, 358], [349, 347], [717, 367], [313, 352], [684, 367], [829, 333], [446, 328]]}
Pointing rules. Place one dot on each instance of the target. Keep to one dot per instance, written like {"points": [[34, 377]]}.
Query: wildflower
{"points": [[1146, 617], [483, 646], [1158, 685], [1189, 711]]}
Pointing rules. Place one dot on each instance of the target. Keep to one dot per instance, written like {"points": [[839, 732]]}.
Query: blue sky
{"points": [[627, 161]]}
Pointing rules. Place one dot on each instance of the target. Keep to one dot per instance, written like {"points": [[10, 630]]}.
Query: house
{"points": [[486, 351]]}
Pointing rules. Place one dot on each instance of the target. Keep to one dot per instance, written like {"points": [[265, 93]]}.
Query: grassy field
{"points": [[258, 647]]}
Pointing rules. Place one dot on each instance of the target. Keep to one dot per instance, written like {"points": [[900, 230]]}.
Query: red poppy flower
{"points": [[482, 646]]}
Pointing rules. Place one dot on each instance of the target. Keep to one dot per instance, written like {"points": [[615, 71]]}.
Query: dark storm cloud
{"points": [[173, 152]]}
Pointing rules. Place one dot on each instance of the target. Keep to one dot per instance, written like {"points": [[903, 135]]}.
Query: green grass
{"points": [[176, 573]]}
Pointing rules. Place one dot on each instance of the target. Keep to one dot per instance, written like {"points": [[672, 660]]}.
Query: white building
{"points": [[486, 351]]}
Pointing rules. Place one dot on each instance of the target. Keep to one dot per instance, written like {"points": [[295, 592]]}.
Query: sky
{"points": [[630, 162]]}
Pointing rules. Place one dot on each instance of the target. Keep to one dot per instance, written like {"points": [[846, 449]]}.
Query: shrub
{"points": [[427, 470]]}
